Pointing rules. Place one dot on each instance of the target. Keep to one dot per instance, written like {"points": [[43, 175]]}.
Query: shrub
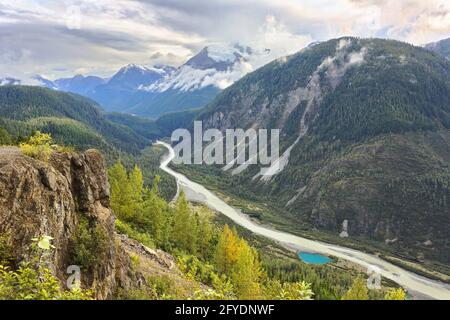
{"points": [[163, 286], [145, 293], [5, 138], [6, 252], [144, 238], [395, 294], [89, 245], [276, 290], [30, 283], [38, 146], [135, 261], [34, 281]]}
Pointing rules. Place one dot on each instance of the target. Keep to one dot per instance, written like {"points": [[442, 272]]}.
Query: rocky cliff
{"points": [[59, 198], [38, 199]]}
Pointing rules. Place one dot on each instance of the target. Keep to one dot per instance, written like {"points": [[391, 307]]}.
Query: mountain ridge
{"points": [[349, 109]]}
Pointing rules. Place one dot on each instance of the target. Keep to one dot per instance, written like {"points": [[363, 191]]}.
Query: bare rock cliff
{"points": [[38, 199]]}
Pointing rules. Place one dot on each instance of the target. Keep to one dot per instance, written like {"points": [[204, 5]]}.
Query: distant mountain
{"points": [[154, 91], [114, 93], [117, 93], [216, 57], [442, 47], [78, 84], [365, 138], [154, 129], [196, 82], [132, 76]]}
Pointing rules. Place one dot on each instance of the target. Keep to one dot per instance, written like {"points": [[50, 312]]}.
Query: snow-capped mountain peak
{"points": [[132, 75], [218, 57], [45, 82], [158, 89], [161, 69], [216, 66]]}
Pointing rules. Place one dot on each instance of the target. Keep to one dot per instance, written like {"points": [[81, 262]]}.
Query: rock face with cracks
{"points": [[38, 198], [51, 199]]}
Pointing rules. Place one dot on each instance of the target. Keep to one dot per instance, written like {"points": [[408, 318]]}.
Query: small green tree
{"points": [[88, 247], [136, 184], [184, 231], [121, 192]]}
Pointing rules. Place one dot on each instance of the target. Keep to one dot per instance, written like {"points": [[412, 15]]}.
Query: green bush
{"points": [[5, 138], [158, 287], [89, 245], [145, 293], [144, 238], [38, 146], [30, 283], [163, 287], [6, 252], [33, 280]]}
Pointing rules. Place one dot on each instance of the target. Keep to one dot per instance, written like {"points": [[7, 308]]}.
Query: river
{"points": [[417, 286]]}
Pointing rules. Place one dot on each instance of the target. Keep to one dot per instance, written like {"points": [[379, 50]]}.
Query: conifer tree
{"points": [[226, 250], [184, 228], [247, 272]]}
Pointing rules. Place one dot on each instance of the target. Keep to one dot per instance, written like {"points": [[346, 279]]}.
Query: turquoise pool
{"points": [[313, 258]]}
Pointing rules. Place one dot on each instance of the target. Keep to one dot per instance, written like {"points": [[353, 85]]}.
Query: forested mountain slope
{"points": [[442, 47], [367, 125], [73, 119]]}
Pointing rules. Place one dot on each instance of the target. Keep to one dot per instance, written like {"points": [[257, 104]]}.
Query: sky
{"points": [[60, 38]]}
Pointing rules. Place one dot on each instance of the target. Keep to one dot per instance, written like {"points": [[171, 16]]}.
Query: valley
{"points": [[364, 182], [421, 286]]}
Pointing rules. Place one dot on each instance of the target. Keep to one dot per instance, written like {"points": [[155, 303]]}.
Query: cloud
{"points": [[415, 21], [41, 37]]}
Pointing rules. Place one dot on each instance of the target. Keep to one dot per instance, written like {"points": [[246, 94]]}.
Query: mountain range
{"points": [[153, 91], [160, 89]]}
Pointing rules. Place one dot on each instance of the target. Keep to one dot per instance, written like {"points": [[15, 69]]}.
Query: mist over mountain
{"points": [[156, 90], [9, 81]]}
